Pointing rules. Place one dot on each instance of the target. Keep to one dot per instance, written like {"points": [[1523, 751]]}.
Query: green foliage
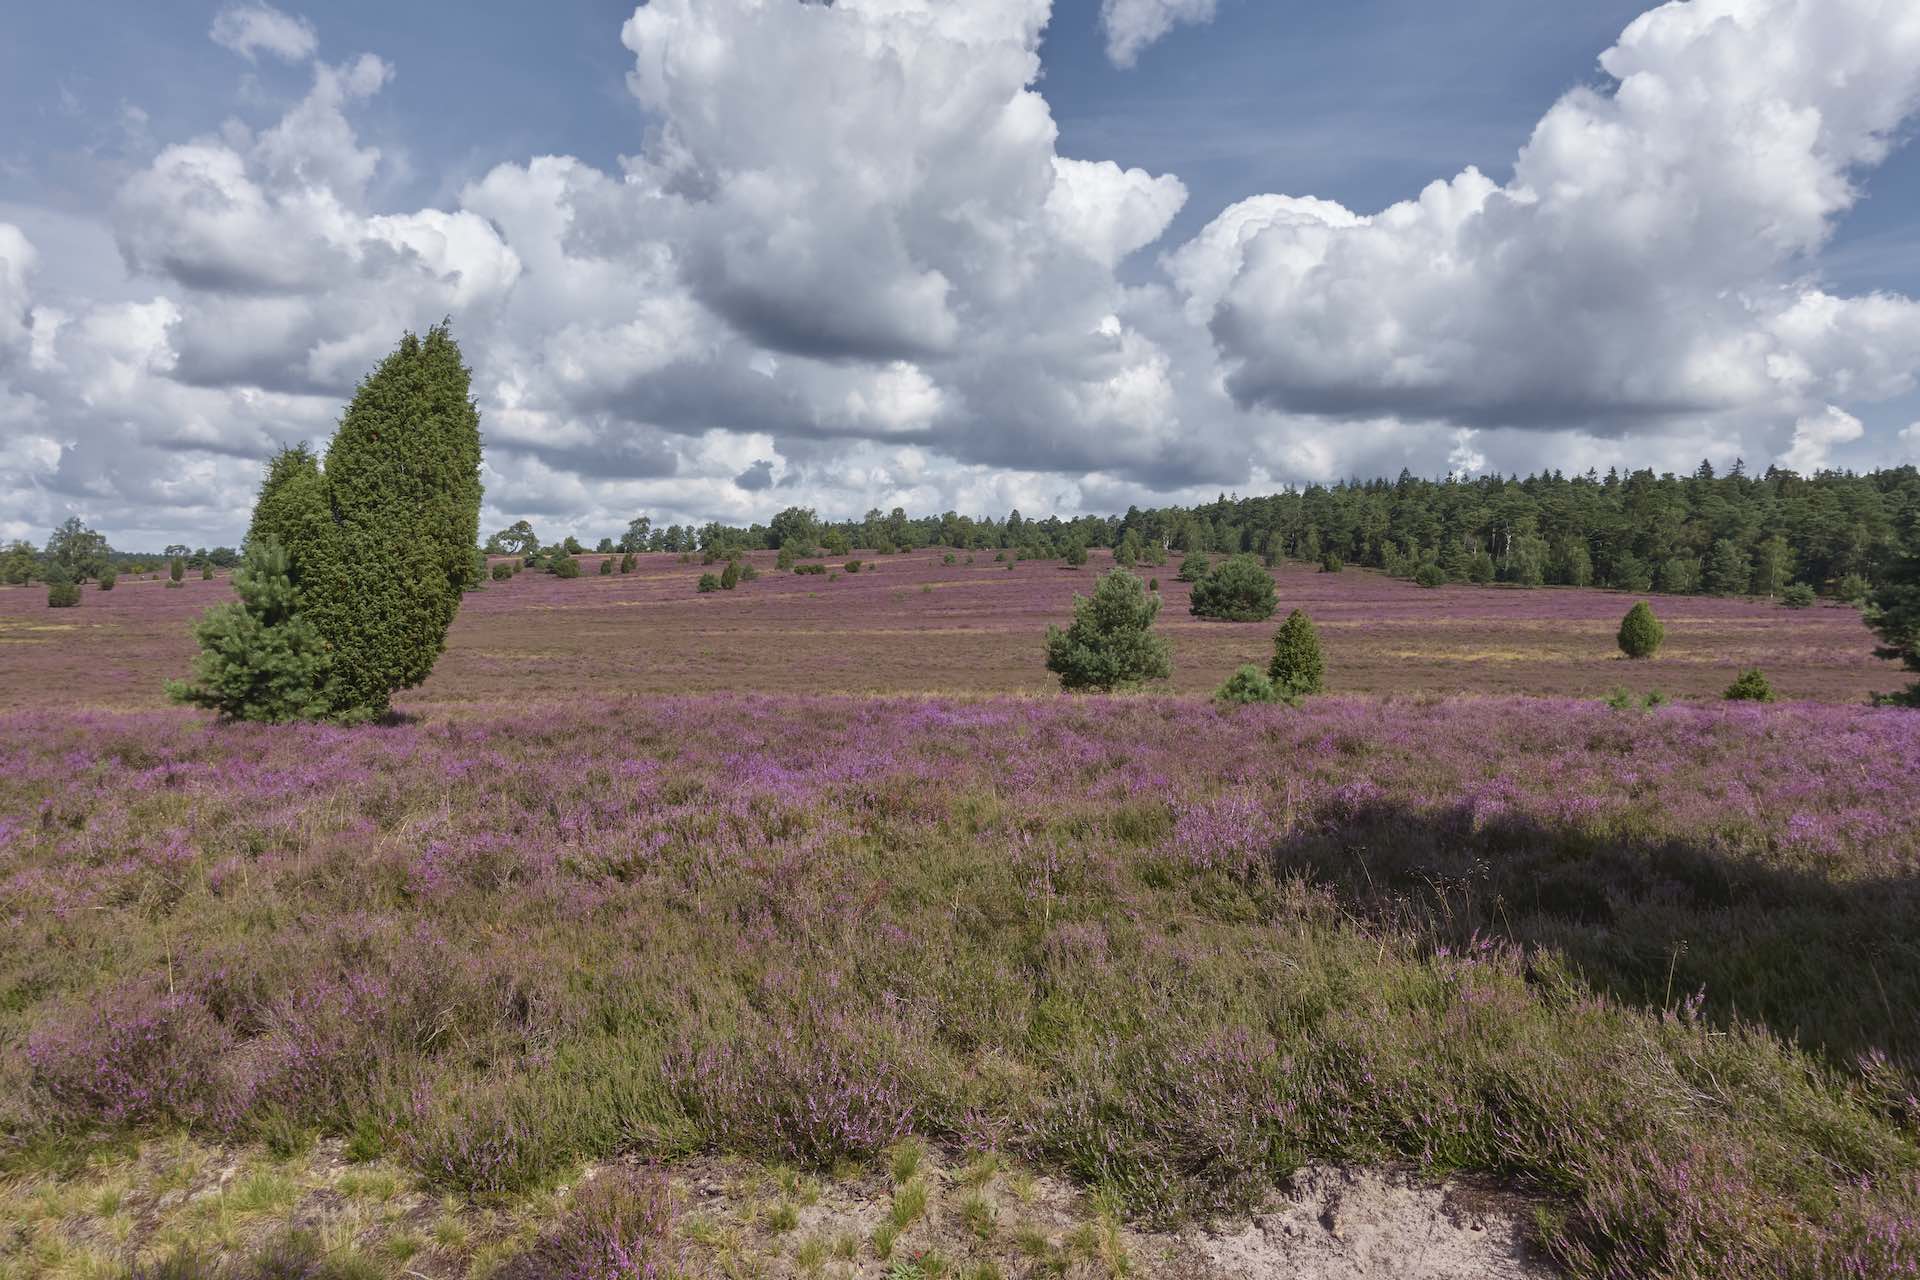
{"points": [[1075, 554], [1797, 596], [571, 546], [1729, 569], [1640, 632], [564, 567], [1331, 563], [639, 530], [950, 558], [402, 483], [785, 561], [1193, 568], [1750, 686], [502, 571], [708, 582], [517, 539], [627, 562], [108, 577], [76, 551], [1110, 644], [62, 591], [1430, 574], [1246, 686], [206, 571], [1239, 589], [260, 659], [810, 568], [177, 570], [1854, 589], [294, 512], [796, 525], [853, 566], [1298, 669], [1893, 611], [606, 565], [1127, 552], [730, 576]]}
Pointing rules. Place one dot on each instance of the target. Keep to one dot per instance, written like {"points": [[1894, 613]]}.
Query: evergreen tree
{"points": [[260, 659], [1110, 644], [1297, 669], [1194, 568], [402, 480], [1245, 687], [730, 576], [108, 577], [1751, 686], [62, 591], [1239, 589], [1728, 569], [176, 571], [1893, 611], [1640, 632]]}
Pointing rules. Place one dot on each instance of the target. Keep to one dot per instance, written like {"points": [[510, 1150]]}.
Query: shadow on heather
{"points": [[1833, 965]]}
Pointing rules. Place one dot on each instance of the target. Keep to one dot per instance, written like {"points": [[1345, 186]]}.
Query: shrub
{"points": [[1430, 574], [1640, 632], [1110, 644], [177, 570], [1797, 596], [1297, 669], [107, 578], [1330, 563], [1153, 584], [1237, 590], [1246, 686], [1193, 568], [949, 558], [708, 582], [627, 562], [1751, 686], [617, 1226], [564, 567], [747, 572], [206, 571], [401, 490], [810, 568], [62, 591], [260, 659], [1893, 611], [502, 571], [606, 566], [1075, 555], [730, 576], [784, 562], [1853, 588], [853, 566]]}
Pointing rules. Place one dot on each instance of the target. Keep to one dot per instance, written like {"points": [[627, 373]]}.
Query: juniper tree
{"points": [[1640, 632], [260, 659], [1110, 644], [1297, 669]]}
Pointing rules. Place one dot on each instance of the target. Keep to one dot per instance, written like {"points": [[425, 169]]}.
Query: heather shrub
{"points": [[1110, 644], [708, 582], [564, 566], [1640, 632], [1238, 590], [606, 566], [62, 591], [131, 1056], [260, 659], [1297, 668], [1750, 686], [1246, 686], [487, 1138], [618, 1227], [502, 572], [1193, 568], [108, 577], [1797, 596]]}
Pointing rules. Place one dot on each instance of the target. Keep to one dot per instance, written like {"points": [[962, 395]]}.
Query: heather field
{"points": [[850, 961], [911, 624]]}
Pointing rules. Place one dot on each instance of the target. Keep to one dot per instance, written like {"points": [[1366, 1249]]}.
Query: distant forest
{"points": [[1729, 534]]}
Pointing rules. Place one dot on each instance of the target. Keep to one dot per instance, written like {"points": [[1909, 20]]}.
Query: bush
{"points": [[1797, 596], [1193, 568], [108, 577], [1238, 590], [606, 566], [810, 568], [1110, 644], [1751, 686], [747, 572], [947, 558], [1297, 669], [62, 592], [206, 571], [853, 566], [260, 659], [730, 576], [1330, 563], [1853, 589], [1430, 574], [1076, 554], [627, 562], [708, 582], [1640, 632], [619, 1225], [1153, 584], [1246, 686], [177, 570], [564, 567], [502, 571]]}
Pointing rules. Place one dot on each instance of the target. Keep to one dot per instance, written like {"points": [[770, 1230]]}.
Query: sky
{"points": [[712, 258]]}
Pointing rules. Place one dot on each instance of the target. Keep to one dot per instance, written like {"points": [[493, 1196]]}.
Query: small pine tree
{"points": [[260, 659], [1239, 590], [1640, 632], [108, 577], [1853, 588], [564, 567], [502, 571], [1075, 554], [787, 557], [708, 582], [1297, 669], [730, 576], [62, 591], [1430, 574], [206, 571], [1797, 596], [176, 571], [1751, 686], [627, 562], [1194, 568], [1110, 644], [1245, 687], [606, 565], [1330, 563]]}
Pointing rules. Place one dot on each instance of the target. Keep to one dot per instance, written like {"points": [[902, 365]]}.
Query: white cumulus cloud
{"points": [[251, 29], [1815, 437], [1132, 25]]}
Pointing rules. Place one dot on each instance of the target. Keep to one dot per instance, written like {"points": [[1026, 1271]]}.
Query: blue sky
{"points": [[1360, 104]]}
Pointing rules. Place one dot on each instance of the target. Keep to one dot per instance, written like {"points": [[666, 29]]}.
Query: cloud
{"points": [[1815, 436], [1132, 25], [1650, 258], [1910, 440], [252, 29]]}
